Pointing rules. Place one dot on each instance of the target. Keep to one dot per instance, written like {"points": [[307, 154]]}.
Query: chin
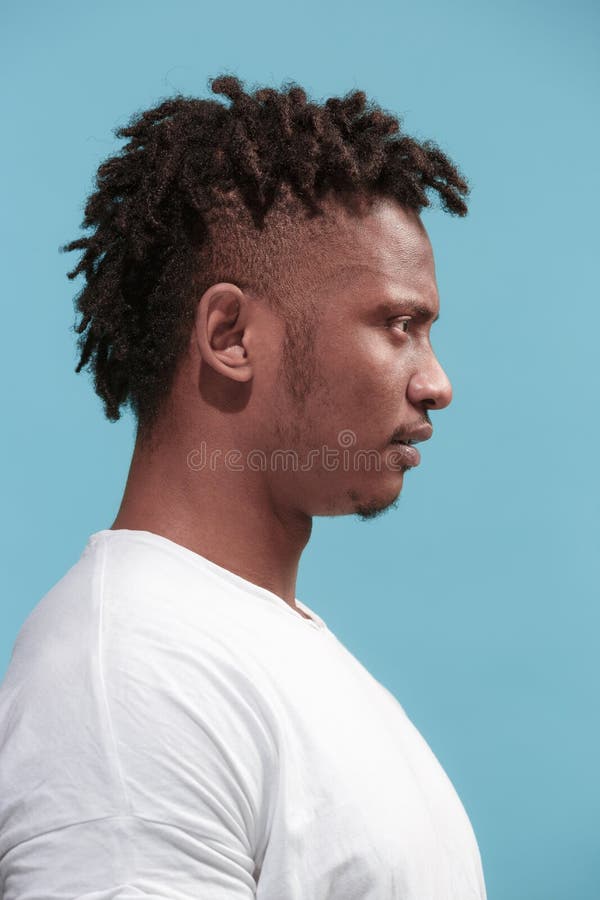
{"points": [[369, 505], [367, 497]]}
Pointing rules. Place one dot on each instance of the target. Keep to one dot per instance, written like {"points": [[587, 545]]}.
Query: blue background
{"points": [[476, 600]]}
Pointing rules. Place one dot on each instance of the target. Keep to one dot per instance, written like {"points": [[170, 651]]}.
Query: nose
{"points": [[429, 385]]}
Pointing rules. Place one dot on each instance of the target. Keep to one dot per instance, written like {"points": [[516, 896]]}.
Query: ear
{"points": [[221, 320]]}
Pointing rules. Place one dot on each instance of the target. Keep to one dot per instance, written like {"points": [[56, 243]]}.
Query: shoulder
{"points": [[128, 694]]}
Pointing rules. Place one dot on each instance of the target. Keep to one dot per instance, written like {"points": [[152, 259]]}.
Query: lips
{"points": [[405, 454], [415, 435]]}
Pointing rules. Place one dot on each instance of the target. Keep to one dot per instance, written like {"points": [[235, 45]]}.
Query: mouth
{"points": [[405, 455], [415, 435]]}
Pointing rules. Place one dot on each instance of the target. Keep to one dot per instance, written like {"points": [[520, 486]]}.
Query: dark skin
{"points": [[375, 377]]}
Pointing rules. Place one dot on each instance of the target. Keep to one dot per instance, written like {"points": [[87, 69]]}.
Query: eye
{"points": [[402, 322]]}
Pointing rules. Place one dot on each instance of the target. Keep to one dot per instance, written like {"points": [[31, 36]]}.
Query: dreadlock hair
{"points": [[206, 192]]}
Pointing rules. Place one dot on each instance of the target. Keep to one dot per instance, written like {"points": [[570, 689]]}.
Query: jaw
{"points": [[373, 510], [370, 504]]}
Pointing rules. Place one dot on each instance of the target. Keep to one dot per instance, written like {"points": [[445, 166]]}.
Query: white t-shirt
{"points": [[169, 730]]}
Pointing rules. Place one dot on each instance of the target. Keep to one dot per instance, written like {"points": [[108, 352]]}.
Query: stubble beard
{"points": [[372, 509], [299, 378]]}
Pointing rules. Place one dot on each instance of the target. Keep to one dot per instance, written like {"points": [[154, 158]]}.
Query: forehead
{"points": [[385, 250]]}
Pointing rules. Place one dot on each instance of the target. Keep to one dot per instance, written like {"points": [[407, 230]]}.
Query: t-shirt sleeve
{"points": [[140, 769]]}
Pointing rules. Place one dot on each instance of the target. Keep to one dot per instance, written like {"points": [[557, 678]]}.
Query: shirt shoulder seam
{"points": [[99, 583]]}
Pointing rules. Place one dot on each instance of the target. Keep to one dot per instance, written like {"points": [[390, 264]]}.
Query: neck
{"points": [[229, 517]]}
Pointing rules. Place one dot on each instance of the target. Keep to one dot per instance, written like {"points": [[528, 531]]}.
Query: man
{"points": [[175, 722]]}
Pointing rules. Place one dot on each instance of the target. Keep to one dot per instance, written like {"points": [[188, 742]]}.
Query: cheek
{"points": [[378, 385], [363, 381]]}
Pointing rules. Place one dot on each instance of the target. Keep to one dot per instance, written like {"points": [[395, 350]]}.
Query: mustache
{"points": [[402, 433]]}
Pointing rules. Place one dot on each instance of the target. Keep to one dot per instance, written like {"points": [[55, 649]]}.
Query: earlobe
{"points": [[221, 321]]}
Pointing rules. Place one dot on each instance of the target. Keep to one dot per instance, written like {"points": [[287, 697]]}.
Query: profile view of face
{"points": [[374, 375]]}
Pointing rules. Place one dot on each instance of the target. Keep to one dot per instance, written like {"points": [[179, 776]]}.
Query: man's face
{"points": [[374, 374]]}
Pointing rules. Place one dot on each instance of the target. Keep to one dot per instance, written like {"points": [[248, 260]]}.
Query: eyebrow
{"points": [[411, 305], [418, 309]]}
